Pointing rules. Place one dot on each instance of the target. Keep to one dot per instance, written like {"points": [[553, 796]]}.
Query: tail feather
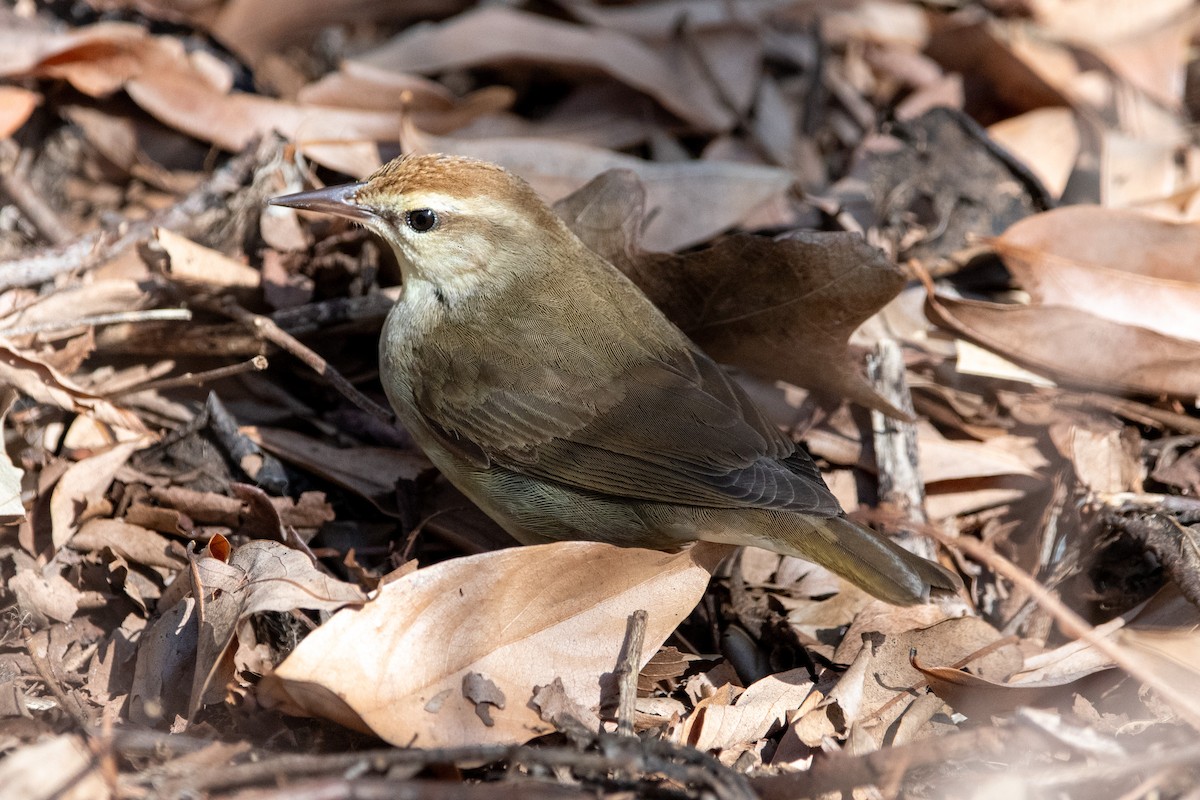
{"points": [[870, 561]]}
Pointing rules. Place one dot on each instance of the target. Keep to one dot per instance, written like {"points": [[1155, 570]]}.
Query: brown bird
{"points": [[556, 396]]}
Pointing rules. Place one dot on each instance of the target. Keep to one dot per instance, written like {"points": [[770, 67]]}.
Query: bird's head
{"points": [[457, 223]]}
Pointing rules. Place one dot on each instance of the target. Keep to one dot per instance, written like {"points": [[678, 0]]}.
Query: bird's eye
{"points": [[421, 219]]}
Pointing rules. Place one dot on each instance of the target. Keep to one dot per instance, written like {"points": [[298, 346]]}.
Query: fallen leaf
{"points": [[131, 542], [82, 486], [1047, 140], [45, 597], [764, 705], [779, 308], [192, 92], [1116, 264], [1076, 346], [56, 768], [260, 576], [519, 618], [41, 382], [69, 303], [496, 35], [201, 267], [16, 106]]}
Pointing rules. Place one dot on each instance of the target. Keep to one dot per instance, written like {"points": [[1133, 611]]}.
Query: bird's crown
{"points": [[438, 174]]}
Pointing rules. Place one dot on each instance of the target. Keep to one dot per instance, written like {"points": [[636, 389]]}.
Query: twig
{"points": [[314, 316], [1072, 624], [627, 671], [256, 364], [267, 330], [617, 761], [90, 250], [842, 773], [262, 467], [69, 703], [115, 318], [29, 202], [1145, 501], [896, 447]]}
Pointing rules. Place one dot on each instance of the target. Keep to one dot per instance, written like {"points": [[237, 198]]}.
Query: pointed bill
{"points": [[338, 200]]}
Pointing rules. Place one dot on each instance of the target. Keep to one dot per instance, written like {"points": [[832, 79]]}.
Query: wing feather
{"points": [[664, 428]]}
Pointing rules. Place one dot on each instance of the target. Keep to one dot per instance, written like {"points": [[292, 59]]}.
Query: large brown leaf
{"points": [[452, 654], [1076, 346], [779, 308], [1117, 264], [495, 35]]}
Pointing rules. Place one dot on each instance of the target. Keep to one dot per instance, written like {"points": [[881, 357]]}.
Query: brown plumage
{"points": [[554, 394]]}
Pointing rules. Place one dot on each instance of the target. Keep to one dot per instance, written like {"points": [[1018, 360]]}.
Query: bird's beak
{"points": [[338, 200]]}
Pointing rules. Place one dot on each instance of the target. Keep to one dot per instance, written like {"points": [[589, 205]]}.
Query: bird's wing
{"points": [[670, 428]]}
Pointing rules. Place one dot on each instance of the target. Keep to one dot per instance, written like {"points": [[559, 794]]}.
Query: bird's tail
{"points": [[870, 561]]}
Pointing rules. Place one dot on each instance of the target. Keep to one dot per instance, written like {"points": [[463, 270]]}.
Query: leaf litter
{"points": [[790, 185]]}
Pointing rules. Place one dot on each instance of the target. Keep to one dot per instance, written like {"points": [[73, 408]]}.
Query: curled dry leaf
{"points": [[260, 576], [1075, 346], [761, 707], [16, 104], [192, 92], [1045, 139], [779, 308], [498, 35], [519, 618], [1116, 264], [43, 383], [82, 486], [201, 267]]}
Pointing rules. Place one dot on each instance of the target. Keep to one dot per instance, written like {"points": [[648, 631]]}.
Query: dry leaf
{"points": [[45, 597], [778, 308], [1116, 264], [1047, 140], [133, 543], [82, 486], [36, 379], [192, 92], [57, 768], [1074, 345], [519, 618], [260, 576], [69, 303], [496, 35], [761, 707], [371, 472], [16, 106], [201, 267]]}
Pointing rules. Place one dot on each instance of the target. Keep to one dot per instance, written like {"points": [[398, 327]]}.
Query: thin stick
{"points": [[1071, 623], [45, 220], [627, 671], [115, 318], [265, 329], [256, 364], [895, 444]]}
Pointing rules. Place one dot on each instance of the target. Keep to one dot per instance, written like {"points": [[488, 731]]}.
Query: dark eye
{"points": [[421, 219]]}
